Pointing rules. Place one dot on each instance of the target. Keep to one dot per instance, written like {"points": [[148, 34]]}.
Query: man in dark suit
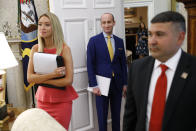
{"points": [[171, 104], [106, 57]]}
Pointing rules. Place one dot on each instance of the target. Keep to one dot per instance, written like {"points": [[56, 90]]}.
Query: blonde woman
{"points": [[58, 103]]}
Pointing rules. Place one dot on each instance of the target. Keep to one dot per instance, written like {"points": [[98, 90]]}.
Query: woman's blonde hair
{"points": [[57, 33]]}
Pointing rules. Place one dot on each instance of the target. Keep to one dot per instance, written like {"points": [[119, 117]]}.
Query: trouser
{"points": [[102, 103]]}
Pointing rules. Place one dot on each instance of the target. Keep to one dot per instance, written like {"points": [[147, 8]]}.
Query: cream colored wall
{"points": [[162, 5], [9, 12]]}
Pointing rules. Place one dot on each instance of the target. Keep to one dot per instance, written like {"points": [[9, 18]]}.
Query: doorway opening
{"points": [[133, 19]]}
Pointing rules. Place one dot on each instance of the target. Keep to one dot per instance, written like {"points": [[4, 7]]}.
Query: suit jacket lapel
{"points": [[146, 76], [177, 86]]}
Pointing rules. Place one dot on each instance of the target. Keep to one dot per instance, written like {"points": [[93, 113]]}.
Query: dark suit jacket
{"points": [[180, 109], [99, 63]]}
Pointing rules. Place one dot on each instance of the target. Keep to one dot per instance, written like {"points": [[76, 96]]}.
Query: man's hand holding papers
{"points": [[96, 91], [103, 86]]}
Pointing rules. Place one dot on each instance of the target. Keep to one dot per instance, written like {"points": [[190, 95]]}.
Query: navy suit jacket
{"points": [[99, 62], [180, 108]]}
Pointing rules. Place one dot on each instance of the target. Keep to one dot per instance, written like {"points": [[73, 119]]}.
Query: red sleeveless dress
{"points": [[58, 103]]}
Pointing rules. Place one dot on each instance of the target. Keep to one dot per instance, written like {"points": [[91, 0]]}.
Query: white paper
{"points": [[103, 85], [44, 63]]}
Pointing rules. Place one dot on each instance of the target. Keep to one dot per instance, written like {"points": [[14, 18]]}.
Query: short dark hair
{"points": [[170, 16]]}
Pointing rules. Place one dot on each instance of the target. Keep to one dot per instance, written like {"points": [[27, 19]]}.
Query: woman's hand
{"points": [[60, 71]]}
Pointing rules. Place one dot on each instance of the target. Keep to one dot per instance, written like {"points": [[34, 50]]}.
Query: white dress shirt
{"points": [[171, 64]]}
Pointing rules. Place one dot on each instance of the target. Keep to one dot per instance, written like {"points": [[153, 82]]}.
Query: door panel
{"points": [[75, 33]]}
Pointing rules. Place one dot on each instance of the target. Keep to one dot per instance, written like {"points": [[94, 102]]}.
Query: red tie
{"points": [[159, 99]]}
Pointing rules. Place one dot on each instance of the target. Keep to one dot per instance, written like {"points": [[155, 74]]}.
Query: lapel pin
{"points": [[184, 75]]}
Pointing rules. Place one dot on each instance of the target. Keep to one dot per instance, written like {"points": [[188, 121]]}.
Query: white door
{"points": [[80, 20]]}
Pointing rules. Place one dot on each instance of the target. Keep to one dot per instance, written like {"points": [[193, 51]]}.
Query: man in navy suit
{"points": [[177, 109], [101, 62]]}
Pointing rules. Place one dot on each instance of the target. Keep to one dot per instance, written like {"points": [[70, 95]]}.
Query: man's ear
{"points": [[181, 37]]}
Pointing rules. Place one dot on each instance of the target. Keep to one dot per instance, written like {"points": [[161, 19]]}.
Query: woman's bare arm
{"points": [[32, 77]]}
